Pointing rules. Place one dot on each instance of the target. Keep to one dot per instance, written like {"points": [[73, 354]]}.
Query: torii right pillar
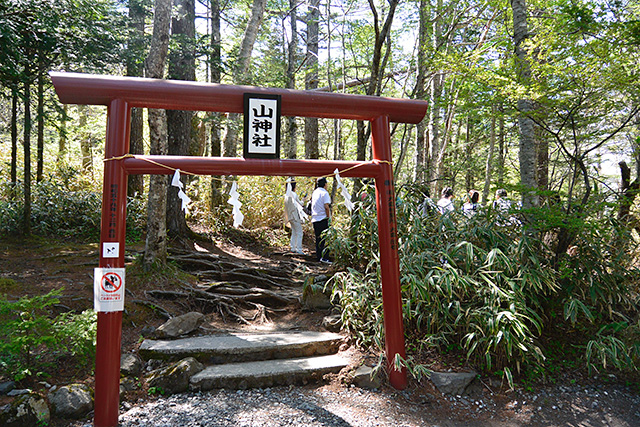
{"points": [[389, 259]]}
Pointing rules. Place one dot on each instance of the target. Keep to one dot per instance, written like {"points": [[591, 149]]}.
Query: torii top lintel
{"points": [[93, 89]]}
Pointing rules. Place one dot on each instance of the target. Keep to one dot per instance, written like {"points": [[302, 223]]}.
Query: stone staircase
{"points": [[243, 361]]}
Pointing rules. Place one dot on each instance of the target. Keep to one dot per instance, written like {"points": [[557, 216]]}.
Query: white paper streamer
{"points": [[234, 200], [175, 182], [345, 193], [289, 193]]}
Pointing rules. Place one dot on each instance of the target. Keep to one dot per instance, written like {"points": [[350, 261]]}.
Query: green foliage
{"points": [[31, 340], [62, 208], [493, 286]]}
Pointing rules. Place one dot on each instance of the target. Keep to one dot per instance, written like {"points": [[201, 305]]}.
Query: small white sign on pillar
{"points": [[108, 289]]}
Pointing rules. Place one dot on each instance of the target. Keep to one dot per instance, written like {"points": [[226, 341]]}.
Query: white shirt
{"points": [[445, 205], [291, 209], [319, 198]]}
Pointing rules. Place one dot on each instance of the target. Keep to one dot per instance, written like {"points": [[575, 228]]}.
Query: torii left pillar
{"points": [[114, 214]]}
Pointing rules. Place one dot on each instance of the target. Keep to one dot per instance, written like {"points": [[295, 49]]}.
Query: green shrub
{"points": [[62, 209], [491, 285], [31, 340]]}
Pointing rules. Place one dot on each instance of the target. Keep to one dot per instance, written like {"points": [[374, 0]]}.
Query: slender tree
{"points": [[241, 71], [135, 68], [311, 145], [182, 66], [527, 146], [156, 243]]}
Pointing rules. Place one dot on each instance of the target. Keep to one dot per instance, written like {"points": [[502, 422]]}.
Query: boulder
{"points": [[314, 294], [26, 411], [71, 401], [180, 325], [175, 377], [366, 377], [7, 386], [453, 383], [130, 364]]}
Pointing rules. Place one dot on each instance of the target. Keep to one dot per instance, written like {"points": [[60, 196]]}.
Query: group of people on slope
{"points": [[320, 217], [445, 205]]}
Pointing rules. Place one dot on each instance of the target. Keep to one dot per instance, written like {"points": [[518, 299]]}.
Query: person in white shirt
{"points": [[471, 207], [445, 204], [320, 217], [294, 213]]}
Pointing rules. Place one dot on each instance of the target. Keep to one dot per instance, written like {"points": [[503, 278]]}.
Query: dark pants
{"points": [[318, 228]]}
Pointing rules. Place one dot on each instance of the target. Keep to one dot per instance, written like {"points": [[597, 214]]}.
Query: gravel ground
{"points": [[337, 406]]}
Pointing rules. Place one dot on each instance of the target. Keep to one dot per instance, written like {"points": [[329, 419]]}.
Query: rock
{"points": [[453, 383], [148, 331], [27, 410], [7, 386], [18, 392], [364, 377], [332, 323], [127, 384], [130, 364], [180, 325], [314, 295], [71, 401], [175, 377]]}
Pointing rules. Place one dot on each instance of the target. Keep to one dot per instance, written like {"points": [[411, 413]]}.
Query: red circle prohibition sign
{"points": [[111, 282]]}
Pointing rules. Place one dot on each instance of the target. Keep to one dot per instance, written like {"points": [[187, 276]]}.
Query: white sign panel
{"points": [[110, 250], [262, 126], [108, 289]]}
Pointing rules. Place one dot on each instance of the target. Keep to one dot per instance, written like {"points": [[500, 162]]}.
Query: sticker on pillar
{"points": [[261, 126], [110, 249], [108, 289]]}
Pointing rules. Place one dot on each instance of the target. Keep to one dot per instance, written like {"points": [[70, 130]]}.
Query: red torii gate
{"points": [[120, 94]]}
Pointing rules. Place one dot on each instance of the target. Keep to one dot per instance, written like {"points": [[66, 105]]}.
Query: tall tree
{"points": [[311, 146], [292, 48], [527, 145], [156, 243], [135, 68], [216, 118], [182, 66], [241, 71]]}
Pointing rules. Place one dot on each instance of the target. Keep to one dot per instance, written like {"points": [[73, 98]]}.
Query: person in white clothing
{"points": [[445, 204], [294, 213], [320, 217]]}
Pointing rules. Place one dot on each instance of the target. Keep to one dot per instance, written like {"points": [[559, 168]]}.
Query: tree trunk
{"points": [[421, 141], [311, 144], [182, 66], [292, 126], [527, 146], [216, 122], [14, 142], [63, 138], [241, 72], [501, 147], [85, 141], [26, 220], [135, 68], [628, 193], [489, 164], [40, 124], [156, 244], [542, 161]]}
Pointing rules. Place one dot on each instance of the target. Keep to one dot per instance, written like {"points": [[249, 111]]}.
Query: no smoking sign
{"points": [[108, 289]]}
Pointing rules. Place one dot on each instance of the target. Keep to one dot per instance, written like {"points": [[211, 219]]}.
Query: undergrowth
{"points": [[494, 285]]}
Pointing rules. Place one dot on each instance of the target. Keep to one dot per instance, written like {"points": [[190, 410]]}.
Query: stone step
{"points": [[216, 349], [267, 373]]}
